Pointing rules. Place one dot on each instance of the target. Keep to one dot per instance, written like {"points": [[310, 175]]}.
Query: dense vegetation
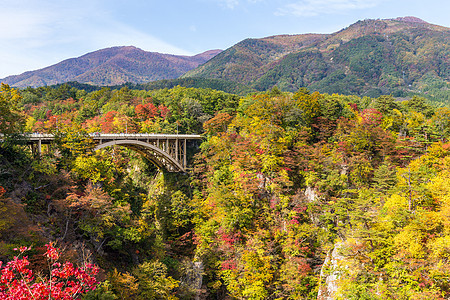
{"points": [[286, 191]]}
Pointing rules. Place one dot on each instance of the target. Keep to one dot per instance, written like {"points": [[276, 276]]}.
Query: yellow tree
{"points": [[309, 105]]}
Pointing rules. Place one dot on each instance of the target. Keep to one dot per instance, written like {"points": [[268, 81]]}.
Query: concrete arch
{"points": [[159, 157]]}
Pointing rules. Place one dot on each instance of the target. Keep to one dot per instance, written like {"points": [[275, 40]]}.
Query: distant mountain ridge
{"points": [[112, 66], [404, 56], [370, 57]]}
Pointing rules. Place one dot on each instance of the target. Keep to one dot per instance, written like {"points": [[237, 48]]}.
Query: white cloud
{"points": [[40, 33], [232, 4], [309, 8]]}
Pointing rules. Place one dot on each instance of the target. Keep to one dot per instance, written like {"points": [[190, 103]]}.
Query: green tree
{"points": [[385, 104], [72, 141], [11, 119]]}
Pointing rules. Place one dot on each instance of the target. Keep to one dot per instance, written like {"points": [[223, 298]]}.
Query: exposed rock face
{"points": [[310, 194], [198, 277], [330, 274], [194, 277]]}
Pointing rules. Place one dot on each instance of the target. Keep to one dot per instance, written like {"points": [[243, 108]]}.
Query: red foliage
{"points": [[274, 202], [303, 267], [371, 117], [109, 117], [53, 122], [107, 123], [38, 126], [229, 239], [140, 111], [163, 111], [2, 191], [146, 111], [354, 106], [294, 220], [51, 252], [65, 280], [218, 124], [228, 265], [150, 111]]}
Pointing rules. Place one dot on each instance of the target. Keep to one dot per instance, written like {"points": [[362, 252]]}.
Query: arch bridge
{"points": [[168, 151]]}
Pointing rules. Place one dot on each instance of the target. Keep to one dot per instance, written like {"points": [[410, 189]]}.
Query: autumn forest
{"points": [[290, 195]]}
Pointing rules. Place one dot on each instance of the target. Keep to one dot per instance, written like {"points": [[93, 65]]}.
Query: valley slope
{"points": [[371, 57]]}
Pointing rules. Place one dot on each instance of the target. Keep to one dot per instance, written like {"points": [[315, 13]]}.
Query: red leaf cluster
{"points": [[66, 281], [150, 111]]}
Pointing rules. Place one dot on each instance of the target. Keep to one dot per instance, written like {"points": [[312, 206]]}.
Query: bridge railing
{"points": [[98, 135], [146, 135]]}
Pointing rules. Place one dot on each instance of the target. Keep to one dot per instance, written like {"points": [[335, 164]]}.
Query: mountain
{"points": [[112, 66], [371, 57]]}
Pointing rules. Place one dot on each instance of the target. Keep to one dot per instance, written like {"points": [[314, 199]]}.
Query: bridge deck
{"points": [[47, 137]]}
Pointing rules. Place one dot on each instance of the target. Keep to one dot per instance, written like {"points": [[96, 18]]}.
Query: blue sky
{"points": [[39, 33]]}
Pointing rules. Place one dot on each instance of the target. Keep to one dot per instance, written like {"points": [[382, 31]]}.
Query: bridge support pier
{"points": [[184, 154], [36, 149]]}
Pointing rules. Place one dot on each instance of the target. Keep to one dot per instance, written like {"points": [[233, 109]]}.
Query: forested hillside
{"points": [[402, 57], [298, 195]]}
